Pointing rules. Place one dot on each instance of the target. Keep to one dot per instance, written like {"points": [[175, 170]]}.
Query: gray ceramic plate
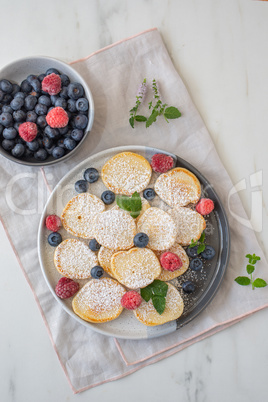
{"points": [[207, 280]]}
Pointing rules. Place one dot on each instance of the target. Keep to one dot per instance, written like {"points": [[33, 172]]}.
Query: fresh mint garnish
{"points": [[139, 98], [245, 280], [131, 204], [157, 291], [199, 243]]}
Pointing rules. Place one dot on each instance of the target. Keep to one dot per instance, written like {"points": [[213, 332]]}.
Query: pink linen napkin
{"points": [[113, 74]]}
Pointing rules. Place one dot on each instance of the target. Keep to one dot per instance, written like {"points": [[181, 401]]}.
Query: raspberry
{"points": [[57, 117], [131, 300], [53, 223], [28, 131], [52, 84], [170, 261], [66, 288], [205, 206], [161, 163]]}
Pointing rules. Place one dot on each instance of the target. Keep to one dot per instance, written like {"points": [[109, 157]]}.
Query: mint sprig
{"points": [[200, 243], [245, 280], [131, 204], [157, 291], [139, 98]]}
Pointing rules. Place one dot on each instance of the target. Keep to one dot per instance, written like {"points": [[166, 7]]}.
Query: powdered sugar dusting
{"points": [[190, 224], [179, 251], [104, 257]]}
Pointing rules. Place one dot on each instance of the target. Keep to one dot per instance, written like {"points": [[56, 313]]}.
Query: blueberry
{"points": [[75, 90], [149, 194], [53, 99], [192, 251], [28, 154], [208, 253], [25, 86], [6, 119], [44, 100], [10, 133], [41, 121], [196, 264], [8, 144], [64, 130], [7, 99], [41, 77], [18, 150], [58, 152], [60, 142], [6, 86], [80, 121], [47, 142], [94, 245], [91, 175], [34, 82], [40, 109], [17, 103], [64, 93], [52, 132], [7, 109], [30, 102], [2, 94], [16, 125], [50, 150], [69, 144], [82, 105], [20, 95], [61, 102], [54, 239], [31, 116], [52, 71], [188, 287], [33, 145], [71, 105], [97, 272], [16, 89], [81, 186], [108, 197], [141, 240], [65, 80], [19, 115], [41, 154], [77, 135]]}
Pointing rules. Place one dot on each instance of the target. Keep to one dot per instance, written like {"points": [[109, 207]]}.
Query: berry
{"points": [[108, 197], [10, 133], [54, 239], [170, 261], [52, 71], [41, 154], [65, 80], [31, 116], [61, 102], [80, 121], [16, 89], [161, 163], [188, 287], [44, 100], [63, 130], [20, 95], [51, 84], [204, 206], [7, 109], [6, 119], [8, 144], [131, 300], [33, 145], [71, 105], [192, 251], [58, 152], [141, 240], [40, 109], [17, 103], [18, 150], [149, 194], [47, 142], [208, 253], [41, 77], [53, 223], [81, 186], [6, 86], [57, 117], [64, 93], [196, 264], [41, 121], [29, 102], [97, 272], [91, 175], [94, 245], [77, 135], [34, 82], [25, 86], [75, 90], [66, 288], [52, 132], [28, 131], [19, 115], [82, 105], [69, 143]]}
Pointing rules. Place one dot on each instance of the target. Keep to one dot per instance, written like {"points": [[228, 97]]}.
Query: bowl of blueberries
{"points": [[46, 111]]}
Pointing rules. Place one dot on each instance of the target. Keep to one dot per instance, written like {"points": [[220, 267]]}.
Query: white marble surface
{"points": [[220, 49]]}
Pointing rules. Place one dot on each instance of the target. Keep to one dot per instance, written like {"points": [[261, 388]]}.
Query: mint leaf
{"points": [[202, 237], [242, 280], [140, 118], [159, 303], [259, 283], [250, 269], [172, 112], [249, 256], [146, 293], [131, 121], [134, 215], [123, 202], [201, 248], [152, 118], [135, 202], [193, 244], [159, 288]]}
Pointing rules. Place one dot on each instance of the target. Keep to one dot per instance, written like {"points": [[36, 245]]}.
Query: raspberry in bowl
{"points": [[52, 103]]}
